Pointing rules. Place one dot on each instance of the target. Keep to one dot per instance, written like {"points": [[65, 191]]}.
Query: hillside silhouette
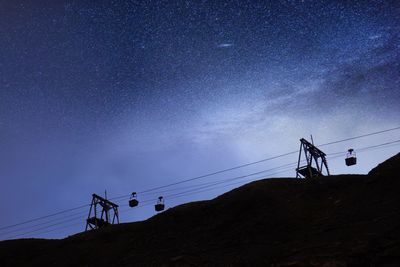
{"points": [[341, 220]]}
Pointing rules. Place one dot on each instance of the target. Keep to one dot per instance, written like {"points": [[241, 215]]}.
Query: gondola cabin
{"points": [[160, 204], [133, 202], [351, 158]]}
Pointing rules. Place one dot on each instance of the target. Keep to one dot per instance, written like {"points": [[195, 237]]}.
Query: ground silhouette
{"points": [[343, 220]]}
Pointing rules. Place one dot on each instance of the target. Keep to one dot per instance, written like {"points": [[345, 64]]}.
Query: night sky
{"points": [[131, 95]]}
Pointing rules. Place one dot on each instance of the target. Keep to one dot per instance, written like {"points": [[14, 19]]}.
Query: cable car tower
{"points": [[107, 207], [316, 161]]}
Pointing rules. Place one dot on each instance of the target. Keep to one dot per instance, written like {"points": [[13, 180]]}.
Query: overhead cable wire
{"points": [[210, 174], [44, 217], [52, 230], [152, 200], [81, 214], [203, 176], [209, 186], [263, 160], [360, 136], [213, 182], [44, 227], [367, 147]]}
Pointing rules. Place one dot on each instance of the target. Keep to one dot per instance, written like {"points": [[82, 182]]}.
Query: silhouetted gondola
{"points": [[351, 158], [133, 202], [160, 204]]}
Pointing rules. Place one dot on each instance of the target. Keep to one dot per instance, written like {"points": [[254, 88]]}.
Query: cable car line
{"points": [[203, 176], [150, 200], [208, 183], [375, 146], [173, 196], [367, 147], [216, 182], [212, 184], [210, 174], [263, 160], [207, 188], [45, 227], [198, 190], [360, 136], [46, 216], [200, 187], [48, 231], [197, 186], [47, 222]]}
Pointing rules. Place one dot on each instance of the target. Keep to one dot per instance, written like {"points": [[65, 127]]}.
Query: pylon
{"points": [[316, 161], [95, 222]]}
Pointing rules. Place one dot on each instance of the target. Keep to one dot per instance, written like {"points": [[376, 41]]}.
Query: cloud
{"points": [[368, 82], [372, 78]]}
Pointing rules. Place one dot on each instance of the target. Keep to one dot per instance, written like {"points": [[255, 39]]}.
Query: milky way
{"points": [[128, 95]]}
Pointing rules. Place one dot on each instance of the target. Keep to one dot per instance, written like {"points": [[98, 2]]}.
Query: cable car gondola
{"points": [[133, 202], [160, 204], [351, 158]]}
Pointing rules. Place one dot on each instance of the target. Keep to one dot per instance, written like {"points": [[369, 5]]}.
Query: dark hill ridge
{"points": [[344, 220]]}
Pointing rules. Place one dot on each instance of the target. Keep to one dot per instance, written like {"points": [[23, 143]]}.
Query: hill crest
{"points": [[344, 220]]}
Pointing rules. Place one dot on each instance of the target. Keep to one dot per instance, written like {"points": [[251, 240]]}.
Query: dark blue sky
{"points": [[129, 95]]}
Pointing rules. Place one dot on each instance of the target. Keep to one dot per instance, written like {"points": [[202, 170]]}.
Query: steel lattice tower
{"points": [[316, 161], [95, 222]]}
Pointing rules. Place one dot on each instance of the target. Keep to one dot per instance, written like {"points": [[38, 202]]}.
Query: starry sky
{"points": [[131, 95]]}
